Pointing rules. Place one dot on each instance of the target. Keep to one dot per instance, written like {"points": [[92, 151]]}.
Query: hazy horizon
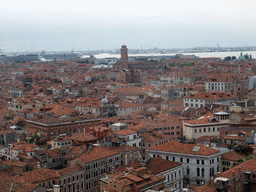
{"points": [[106, 25]]}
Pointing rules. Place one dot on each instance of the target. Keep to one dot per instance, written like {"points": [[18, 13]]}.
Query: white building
{"points": [[131, 137], [199, 100], [206, 125], [199, 162]]}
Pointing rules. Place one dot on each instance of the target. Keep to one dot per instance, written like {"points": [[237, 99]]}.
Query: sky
{"points": [[99, 25]]}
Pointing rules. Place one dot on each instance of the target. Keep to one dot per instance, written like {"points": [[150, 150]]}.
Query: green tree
{"points": [[228, 58], [36, 137], [171, 64]]}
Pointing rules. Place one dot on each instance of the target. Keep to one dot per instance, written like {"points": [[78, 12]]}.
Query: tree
{"points": [[171, 64], [36, 137], [228, 58]]}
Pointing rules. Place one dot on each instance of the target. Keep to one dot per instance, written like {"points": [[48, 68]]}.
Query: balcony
{"points": [[221, 183]]}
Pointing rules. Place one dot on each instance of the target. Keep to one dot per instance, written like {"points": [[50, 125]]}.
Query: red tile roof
{"points": [[176, 147], [249, 165], [232, 156]]}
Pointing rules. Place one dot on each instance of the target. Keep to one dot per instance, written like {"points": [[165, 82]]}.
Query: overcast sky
{"points": [[95, 25]]}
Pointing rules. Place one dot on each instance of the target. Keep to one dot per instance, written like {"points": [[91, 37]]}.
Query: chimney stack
{"points": [[56, 188]]}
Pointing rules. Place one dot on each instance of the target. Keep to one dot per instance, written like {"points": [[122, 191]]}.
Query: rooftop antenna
{"points": [[11, 187]]}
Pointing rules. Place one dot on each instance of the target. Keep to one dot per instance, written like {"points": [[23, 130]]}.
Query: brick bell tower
{"points": [[124, 57]]}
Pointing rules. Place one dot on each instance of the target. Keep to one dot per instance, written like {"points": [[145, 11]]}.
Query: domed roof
{"points": [[104, 100], [241, 57]]}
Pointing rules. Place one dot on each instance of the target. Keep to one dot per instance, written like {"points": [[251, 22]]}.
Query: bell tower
{"points": [[124, 57]]}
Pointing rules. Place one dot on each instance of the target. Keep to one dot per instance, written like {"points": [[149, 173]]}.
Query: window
{"points": [[197, 161], [188, 171], [181, 160], [202, 172], [198, 172], [199, 130], [204, 129], [173, 158], [202, 162], [209, 129], [187, 160], [88, 185], [167, 158], [195, 130], [213, 129]]}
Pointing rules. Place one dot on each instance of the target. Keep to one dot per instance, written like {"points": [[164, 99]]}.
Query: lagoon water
{"points": [[199, 54]]}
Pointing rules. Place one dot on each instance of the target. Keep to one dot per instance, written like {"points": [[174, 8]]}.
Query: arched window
{"points": [[202, 172], [198, 172]]}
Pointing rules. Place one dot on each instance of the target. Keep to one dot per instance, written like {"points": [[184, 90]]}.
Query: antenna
{"points": [[11, 187]]}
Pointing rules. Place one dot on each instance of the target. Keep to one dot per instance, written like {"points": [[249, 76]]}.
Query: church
{"points": [[135, 65]]}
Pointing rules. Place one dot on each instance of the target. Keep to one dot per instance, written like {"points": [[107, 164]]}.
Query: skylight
{"points": [[196, 148]]}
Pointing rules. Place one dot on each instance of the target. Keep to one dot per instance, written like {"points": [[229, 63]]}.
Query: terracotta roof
{"points": [[95, 154], [176, 147], [70, 169], [125, 132], [235, 138], [204, 188], [83, 137], [211, 95], [232, 156], [158, 165], [249, 165], [35, 176]]}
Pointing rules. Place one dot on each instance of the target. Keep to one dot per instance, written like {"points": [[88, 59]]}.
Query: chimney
{"points": [[245, 104], [210, 182], [56, 188], [81, 150]]}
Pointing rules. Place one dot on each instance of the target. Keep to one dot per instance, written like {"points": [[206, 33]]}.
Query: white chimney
{"points": [[56, 188]]}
